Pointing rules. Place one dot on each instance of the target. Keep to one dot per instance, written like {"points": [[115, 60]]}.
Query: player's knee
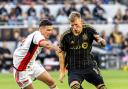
{"points": [[101, 87], [75, 85], [53, 86], [50, 82]]}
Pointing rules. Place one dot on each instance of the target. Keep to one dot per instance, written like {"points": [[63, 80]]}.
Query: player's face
{"points": [[76, 26], [47, 31]]}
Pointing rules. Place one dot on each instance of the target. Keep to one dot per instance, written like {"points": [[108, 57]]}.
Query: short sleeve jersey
{"points": [[25, 55], [78, 48]]}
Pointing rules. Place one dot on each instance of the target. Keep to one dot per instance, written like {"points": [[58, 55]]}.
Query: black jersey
{"points": [[78, 48]]}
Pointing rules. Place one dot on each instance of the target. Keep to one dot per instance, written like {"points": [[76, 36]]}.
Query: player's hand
{"points": [[62, 75], [56, 48]]}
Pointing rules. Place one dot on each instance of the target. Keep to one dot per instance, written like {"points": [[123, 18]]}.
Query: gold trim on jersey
{"points": [[66, 32], [87, 25]]}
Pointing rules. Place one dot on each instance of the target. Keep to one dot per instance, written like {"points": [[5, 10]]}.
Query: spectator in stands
{"points": [[45, 9], [12, 20], [61, 18], [17, 37], [15, 16], [125, 16], [46, 12], [108, 46], [18, 10], [66, 7], [30, 30], [7, 58], [32, 17], [72, 8], [104, 34], [84, 7], [43, 16], [98, 12], [19, 14], [25, 18], [3, 10], [51, 18], [118, 17], [125, 50], [85, 12], [3, 14], [117, 36], [125, 45], [31, 11]]}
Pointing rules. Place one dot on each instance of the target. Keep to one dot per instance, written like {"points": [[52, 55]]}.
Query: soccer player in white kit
{"points": [[26, 69]]}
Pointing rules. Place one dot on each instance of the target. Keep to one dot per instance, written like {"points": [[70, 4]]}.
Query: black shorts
{"points": [[92, 76]]}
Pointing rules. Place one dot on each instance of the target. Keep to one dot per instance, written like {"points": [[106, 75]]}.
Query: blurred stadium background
{"points": [[18, 18]]}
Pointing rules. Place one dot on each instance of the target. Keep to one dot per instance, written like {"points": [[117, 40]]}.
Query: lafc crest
{"points": [[85, 37]]}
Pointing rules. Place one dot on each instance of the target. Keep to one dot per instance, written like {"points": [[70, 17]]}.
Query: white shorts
{"points": [[25, 78]]}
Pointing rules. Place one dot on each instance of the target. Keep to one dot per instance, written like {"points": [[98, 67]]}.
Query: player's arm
{"points": [[100, 40], [61, 56], [48, 45]]}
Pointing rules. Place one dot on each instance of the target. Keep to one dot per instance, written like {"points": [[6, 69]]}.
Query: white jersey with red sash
{"points": [[25, 55]]}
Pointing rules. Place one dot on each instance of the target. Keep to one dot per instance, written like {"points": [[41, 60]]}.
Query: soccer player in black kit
{"points": [[75, 54]]}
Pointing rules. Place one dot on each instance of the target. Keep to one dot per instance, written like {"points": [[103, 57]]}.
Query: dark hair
{"points": [[45, 22]]}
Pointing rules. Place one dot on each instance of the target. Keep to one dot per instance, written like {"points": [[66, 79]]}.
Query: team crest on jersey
{"points": [[85, 37]]}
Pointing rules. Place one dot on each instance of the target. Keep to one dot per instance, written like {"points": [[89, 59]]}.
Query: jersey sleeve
{"points": [[93, 31], [38, 38]]}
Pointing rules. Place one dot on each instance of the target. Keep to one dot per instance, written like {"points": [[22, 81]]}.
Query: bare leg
{"points": [[29, 87], [46, 78]]}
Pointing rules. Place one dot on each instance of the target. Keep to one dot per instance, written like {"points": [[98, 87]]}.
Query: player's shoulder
{"points": [[66, 32], [87, 26], [36, 32]]}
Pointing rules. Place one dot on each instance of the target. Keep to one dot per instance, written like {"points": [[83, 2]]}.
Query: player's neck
{"points": [[77, 33]]}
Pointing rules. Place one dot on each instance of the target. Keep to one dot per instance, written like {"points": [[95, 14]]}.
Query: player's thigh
{"points": [[22, 79], [41, 74], [75, 80], [94, 77], [46, 78]]}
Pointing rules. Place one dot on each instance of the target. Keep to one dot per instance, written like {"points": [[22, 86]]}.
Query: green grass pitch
{"points": [[114, 79]]}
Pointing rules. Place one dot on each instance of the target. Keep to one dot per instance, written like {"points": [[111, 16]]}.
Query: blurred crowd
{"points": [[16, 15], [28, 2]]}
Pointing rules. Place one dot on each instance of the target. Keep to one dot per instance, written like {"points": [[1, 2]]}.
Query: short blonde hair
{"points": [[74, 15]]}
